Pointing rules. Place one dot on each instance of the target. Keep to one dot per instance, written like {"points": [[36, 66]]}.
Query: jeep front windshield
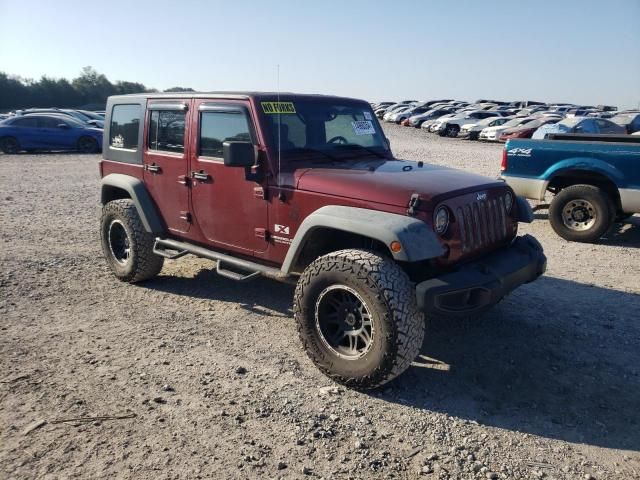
{"points": [[328, 130]]}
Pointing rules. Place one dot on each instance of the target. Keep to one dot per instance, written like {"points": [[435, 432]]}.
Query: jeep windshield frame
{"points": [[320, 129]]}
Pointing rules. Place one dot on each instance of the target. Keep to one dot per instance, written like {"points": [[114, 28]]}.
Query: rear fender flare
{"points": [[418, 240], [136, 190], [590, 165]]}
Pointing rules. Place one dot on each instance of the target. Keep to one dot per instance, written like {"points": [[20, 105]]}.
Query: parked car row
{"points": [[51, 129], [497, 121]]}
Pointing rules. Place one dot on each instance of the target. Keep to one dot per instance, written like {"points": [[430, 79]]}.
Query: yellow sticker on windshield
{"points": [[278, 107]]}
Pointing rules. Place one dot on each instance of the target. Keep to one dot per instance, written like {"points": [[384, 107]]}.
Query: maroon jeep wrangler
{"points": [[305, 189]]}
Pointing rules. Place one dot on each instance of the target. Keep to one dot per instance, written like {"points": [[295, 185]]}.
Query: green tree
{"points": [[179, 89]]}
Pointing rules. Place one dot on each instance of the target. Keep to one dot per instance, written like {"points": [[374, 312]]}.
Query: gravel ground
{"points": [[196, 376]]}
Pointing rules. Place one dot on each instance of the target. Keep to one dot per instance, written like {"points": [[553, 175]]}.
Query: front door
{"points": [[166, 162], [229, 208], [56, 136]]}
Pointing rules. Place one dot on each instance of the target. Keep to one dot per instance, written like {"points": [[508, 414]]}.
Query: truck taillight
{"points": [[503, 165]]}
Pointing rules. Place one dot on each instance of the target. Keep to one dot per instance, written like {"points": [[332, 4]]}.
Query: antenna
{"points": [[279, 123]]}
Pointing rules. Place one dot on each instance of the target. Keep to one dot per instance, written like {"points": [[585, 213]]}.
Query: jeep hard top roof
{"points": [[242, 95]]}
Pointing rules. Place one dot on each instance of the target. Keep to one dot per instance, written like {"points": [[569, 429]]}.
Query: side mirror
{"points": [[64, 126], [239, 154]]}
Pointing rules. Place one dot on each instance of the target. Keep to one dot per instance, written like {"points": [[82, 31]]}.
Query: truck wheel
{"points": [[581, 213], [357, 318], [9, 145], [127, 246]]}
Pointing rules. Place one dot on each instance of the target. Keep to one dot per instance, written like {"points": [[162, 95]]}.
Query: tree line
{"points": [[90, 90]]}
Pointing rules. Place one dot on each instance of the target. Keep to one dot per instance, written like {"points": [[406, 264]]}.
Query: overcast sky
{"points": [[572, 51]]}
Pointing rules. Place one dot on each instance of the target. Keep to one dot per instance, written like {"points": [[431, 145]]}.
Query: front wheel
{"points": [[357, 318], [581, 213]]}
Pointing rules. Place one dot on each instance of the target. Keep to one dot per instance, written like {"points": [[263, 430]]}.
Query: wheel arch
{"points": [[579, 176], [334, 227], [116, 186]]}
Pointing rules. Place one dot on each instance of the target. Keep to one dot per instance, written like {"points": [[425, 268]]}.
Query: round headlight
{"points": [[508, 201], [441, 220]]}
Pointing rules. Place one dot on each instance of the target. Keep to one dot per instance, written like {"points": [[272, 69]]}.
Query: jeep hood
{"points": [[392, 182]]}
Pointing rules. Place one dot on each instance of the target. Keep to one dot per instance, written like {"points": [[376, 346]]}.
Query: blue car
{"points": [[579, 125], [48, 132]]}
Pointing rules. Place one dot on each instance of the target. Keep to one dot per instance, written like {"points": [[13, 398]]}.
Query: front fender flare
{"points": [[418, 240], [136, 190]]}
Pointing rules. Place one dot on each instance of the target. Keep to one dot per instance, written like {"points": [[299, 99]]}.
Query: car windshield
{"points": [[622, 119], [334, 130], [532, 124], [91, 115], [570, 122], [514, 123]]}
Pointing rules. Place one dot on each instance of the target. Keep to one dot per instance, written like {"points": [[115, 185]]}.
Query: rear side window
{"points": [[219, 127], [49, 122], [25, 122], [125, 125], [166, 131]]}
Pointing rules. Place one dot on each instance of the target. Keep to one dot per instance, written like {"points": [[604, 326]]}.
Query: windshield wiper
{"points": [[370, 150]]}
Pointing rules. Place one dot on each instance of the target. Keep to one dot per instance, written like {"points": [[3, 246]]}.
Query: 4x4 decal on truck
{"points": [[520, 152]]}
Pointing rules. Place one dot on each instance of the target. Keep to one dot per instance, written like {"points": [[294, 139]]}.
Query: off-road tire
{"points": [[9, 145], [142, 263], [87, 145], [386, 292], [602, 205]]}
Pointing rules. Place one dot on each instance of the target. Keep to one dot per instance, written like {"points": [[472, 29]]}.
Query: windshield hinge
{"points": [[414, 202]]}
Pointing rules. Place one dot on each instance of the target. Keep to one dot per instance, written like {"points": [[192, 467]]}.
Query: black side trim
{"points": [[138, 193]]}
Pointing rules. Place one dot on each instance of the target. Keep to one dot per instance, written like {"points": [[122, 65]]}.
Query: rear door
{"points": [[166, 162], [26, 131], [228, 206]]}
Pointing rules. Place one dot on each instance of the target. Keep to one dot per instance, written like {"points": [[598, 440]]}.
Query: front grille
{"points": [[482, 223]]}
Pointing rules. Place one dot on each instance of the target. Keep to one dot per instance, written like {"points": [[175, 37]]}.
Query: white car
{"points": [[397, 109], [472, 130], [451, 127], [433, 125], [492, 134]]}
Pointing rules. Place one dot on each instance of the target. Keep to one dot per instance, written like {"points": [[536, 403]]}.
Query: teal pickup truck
{"points": [[594, 180]]}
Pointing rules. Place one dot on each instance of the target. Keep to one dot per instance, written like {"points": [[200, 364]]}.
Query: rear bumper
{"points": [[533, 188], [481, 284]]}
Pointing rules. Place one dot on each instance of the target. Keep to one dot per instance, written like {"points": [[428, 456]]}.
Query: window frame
{"points": [[219, 107], [165, 107], [121, 149]]}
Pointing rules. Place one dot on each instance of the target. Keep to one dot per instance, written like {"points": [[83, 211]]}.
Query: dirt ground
{"points": [[194, 376]]}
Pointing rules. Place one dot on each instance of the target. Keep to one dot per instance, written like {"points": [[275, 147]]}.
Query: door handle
{"points": [[153, 168], [201, 175]]}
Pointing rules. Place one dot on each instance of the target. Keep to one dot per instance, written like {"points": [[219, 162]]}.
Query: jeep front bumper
{"points": [[480, 284]]}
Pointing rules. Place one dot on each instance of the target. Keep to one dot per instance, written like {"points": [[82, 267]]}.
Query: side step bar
{"points": [[173, 249]]}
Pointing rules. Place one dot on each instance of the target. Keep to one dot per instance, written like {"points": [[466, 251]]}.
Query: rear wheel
{"points": [[87, 145], [581, 213], [9, 145], [127, 246], [357, 318]]}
